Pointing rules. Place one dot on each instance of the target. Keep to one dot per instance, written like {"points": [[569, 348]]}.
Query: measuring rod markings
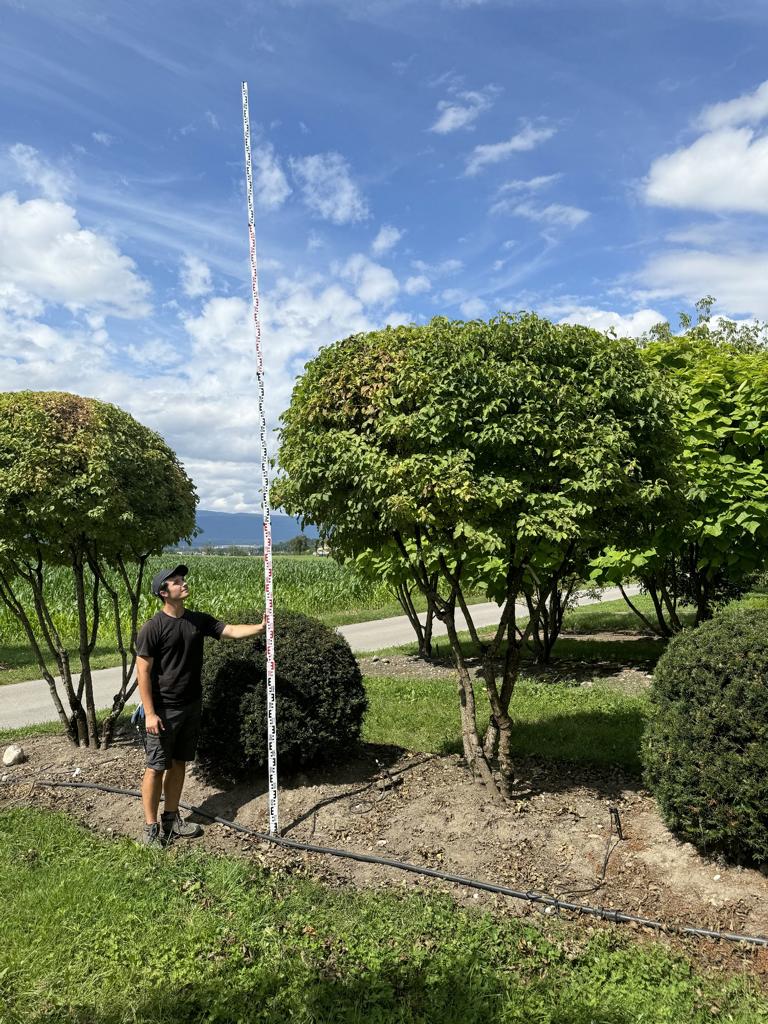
{"points": [[268, 581]]}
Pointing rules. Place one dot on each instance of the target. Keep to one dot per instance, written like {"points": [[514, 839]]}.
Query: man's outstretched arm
{"points": [[240, 631]]}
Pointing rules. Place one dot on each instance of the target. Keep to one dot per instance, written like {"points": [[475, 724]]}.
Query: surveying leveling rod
{"points": [[268, 587]]}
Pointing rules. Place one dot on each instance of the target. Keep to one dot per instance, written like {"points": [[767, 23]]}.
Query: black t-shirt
{"points": [[176, 647]]}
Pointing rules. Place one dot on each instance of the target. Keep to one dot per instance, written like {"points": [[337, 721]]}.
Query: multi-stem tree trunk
{"points": [[87, 641], [46, 642], [423, 633], [479, 752], [133, 590]]}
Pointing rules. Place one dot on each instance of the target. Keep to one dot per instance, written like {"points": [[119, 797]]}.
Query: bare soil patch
{"points": [[425, 809]]}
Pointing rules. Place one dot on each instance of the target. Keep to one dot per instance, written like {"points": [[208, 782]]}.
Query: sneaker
{"points": [[151, 837], [175, 827]]}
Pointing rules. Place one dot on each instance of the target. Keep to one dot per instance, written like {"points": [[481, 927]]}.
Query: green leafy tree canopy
{"points": [[84, 485], [474, 450]]}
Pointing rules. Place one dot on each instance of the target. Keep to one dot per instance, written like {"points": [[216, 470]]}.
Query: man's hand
{"points": [[154, 724]]}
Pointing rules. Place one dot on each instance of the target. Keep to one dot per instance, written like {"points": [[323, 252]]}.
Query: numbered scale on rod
{"points": [[268, 579]]}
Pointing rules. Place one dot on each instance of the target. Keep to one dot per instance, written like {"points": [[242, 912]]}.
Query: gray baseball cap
{"points": [[165, 574]]}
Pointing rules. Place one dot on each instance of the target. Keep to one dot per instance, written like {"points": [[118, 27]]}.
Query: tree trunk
{"points": [[428, 631], [473, 747], [77, 724], [499, 733], [85, 685], [662, 629], [14, 605], [134, 593], [423, 633]]}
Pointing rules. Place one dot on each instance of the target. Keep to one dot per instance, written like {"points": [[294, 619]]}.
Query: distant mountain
{"points": [[244, 528]]}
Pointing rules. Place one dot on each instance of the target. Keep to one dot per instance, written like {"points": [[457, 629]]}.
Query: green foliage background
{"points": [[705, 748]]}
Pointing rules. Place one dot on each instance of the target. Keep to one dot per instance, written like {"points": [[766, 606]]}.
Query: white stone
{"points": [[13, 755]]}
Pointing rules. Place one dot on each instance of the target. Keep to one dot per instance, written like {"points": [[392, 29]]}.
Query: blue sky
{"points": [[601, 161]]}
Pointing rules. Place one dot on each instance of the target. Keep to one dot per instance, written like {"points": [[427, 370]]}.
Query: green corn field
{"points": [[223, 586]]}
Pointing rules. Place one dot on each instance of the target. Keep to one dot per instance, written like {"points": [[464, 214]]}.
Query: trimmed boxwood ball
{"points": [[705, 748], [320, 697]]}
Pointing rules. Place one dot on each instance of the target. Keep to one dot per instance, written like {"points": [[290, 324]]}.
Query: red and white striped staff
{"points": [[268, 583]]}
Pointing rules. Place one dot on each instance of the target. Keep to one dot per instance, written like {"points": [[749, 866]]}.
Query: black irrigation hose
{"points": [[616, 916]]}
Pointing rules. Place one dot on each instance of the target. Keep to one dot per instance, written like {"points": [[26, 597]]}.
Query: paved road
{"points": [[30, 703]]}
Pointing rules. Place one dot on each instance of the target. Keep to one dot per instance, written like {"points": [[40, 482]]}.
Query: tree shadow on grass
{"points": [[594, 748], [637, 651], [455, 993]]}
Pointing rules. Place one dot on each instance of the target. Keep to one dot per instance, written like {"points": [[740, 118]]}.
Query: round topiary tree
{"points": [[705, 749], [320, 697], [87, 488]]}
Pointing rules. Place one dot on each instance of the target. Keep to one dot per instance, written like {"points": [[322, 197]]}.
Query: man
{"points": [[169, 662]]}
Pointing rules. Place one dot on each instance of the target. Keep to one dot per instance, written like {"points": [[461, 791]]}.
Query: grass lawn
{"points": [[553, 721], [19, 664], [104, 932], [632, 650]]}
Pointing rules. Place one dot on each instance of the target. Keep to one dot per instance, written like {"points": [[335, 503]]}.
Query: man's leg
{"points": [[151, 788], [152, 785], [173, 785], [186, 728], [171, 822]]}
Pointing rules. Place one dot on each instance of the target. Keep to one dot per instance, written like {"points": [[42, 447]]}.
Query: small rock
{"points": [[375, 658], [381, 842], [13, 755], [716, 878], [76, 772]]}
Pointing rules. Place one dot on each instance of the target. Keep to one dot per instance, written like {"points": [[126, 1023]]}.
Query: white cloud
{"points": [[555, 214], [530, 184], [494, 153], [18, 302], [751, 108], [449, 266], [155, 355], [630, 325], [103, 138], [417, 284], [373, 283], [328, 189], [53, 182], [46, 254], [387, 239], [737, 279], [195, 277], [473, 309], [464, 109], [37, 356], [723, 171], [270, 184]]}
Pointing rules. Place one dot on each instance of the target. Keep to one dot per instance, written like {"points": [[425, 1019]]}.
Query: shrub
{"points": [[320, 697], [705, 749]]}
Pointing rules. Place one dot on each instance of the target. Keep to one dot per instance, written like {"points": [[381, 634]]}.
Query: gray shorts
{"points": [[178, 742]]}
